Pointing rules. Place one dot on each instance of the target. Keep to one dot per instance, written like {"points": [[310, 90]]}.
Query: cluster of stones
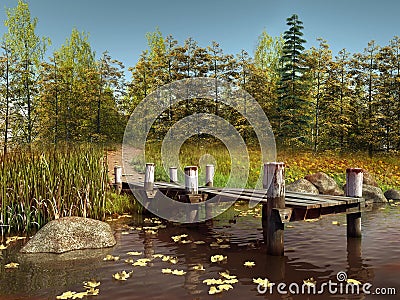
{"points": [[321, 183]]}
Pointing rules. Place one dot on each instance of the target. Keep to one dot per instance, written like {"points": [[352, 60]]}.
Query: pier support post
{"points": [[173, 174], [118, 178], [209, 175], [191, 180], [149, 177], [274, 182], [354, 182]]}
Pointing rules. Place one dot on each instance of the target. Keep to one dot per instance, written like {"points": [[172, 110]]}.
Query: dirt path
{"points": [[114, 158]]}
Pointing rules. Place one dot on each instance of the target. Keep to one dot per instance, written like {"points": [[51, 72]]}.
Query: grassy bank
{"points": [[384, 167]]}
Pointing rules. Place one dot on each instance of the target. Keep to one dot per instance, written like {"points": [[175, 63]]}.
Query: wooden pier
{"points": [[278, 206]]}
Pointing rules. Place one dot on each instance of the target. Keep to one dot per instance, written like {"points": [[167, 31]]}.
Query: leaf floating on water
{"points": [[134, 253], [12, 265], [66, 295], [157, 255], [263, 282], [110, 257], [213, 290], [214, 245], [199, 267], [312, 220], [129, 261], [151, 232], [91, 284], [231, 281], [93, 292], [178, 272], [166, 271], [212, 281], [122, 275], [218, 258], [12, 239], [141, 262], [199, 242], [125, 232], [166, 258], [310, 282], [289, 226], [249, 264], [227, 275], [224, 246], [335, 223], [225, 287], [3, 247], [178, 238], [79, 295], [186, 241], [353, 281], [173, 260]]}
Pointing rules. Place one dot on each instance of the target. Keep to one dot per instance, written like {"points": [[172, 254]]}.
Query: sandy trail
{"points": [[114, 158]]}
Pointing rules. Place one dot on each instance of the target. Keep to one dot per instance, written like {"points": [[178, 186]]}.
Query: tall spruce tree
{"points": [[293, 106]]}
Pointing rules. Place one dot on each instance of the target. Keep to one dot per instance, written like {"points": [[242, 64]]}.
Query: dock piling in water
{"points": [[354, 183], [274, 182]]}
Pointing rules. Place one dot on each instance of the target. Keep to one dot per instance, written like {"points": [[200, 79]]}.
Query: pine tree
{"points": [[293, 104]]}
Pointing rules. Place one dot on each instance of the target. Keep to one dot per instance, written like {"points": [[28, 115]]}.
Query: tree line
{"points": [[313, 99]]}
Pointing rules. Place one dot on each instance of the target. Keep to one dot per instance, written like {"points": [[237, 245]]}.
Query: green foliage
{"points": [[43, 183]]}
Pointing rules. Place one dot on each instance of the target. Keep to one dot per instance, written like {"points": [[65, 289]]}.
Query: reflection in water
{"points": [[313, 250]]}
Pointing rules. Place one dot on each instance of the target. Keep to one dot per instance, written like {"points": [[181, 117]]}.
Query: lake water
{"points": [[317, 250]]}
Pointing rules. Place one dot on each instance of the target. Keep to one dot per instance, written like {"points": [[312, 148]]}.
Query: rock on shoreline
{"points": [[70, 233]]}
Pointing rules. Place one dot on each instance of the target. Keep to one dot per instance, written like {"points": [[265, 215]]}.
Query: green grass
{"points": [[41, 184], [385, 168]]}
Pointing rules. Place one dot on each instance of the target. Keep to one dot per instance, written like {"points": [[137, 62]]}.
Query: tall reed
{"points": [[38, 185]]}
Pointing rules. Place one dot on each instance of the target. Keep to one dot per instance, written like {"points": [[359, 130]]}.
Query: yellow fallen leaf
{"points": [[263, 282], [151, 232], [166, 258], [92, 292], [66, 295], [353, 281], [79, 295], [213, 290], [199, 267], [216, 245], [91, 284], [122, 275], [218, 258], [186, 241], [227, 275], [125, 232], [199, 242], [2, 247], [212, 281], [178, 272], [157, 255], [335, 223], [249, 264], [173, 260], [231, 281], [312, 220], [310, 282], [134, 253], [224, 246], [12, 265], [139, 264], [110, 257], [225, 287], [166, 271], [129, 261]]}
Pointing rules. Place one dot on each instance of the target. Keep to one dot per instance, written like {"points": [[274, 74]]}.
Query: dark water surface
{"points": [[317, 250]]}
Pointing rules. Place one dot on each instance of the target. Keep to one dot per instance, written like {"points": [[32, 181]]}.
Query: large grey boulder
{"points": [[325, 184], [368, 179], [302, 186], [70, 233], [392, 194], [373, 193]]}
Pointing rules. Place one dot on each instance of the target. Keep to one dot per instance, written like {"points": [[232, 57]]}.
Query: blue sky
{"points": [[120, 26]]}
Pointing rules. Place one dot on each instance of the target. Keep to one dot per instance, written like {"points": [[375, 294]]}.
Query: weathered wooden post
{"points": [[149, 177], [274, 182], [354, 184], [173, 174], [118, 178], [191, 180], [210, 175]]}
